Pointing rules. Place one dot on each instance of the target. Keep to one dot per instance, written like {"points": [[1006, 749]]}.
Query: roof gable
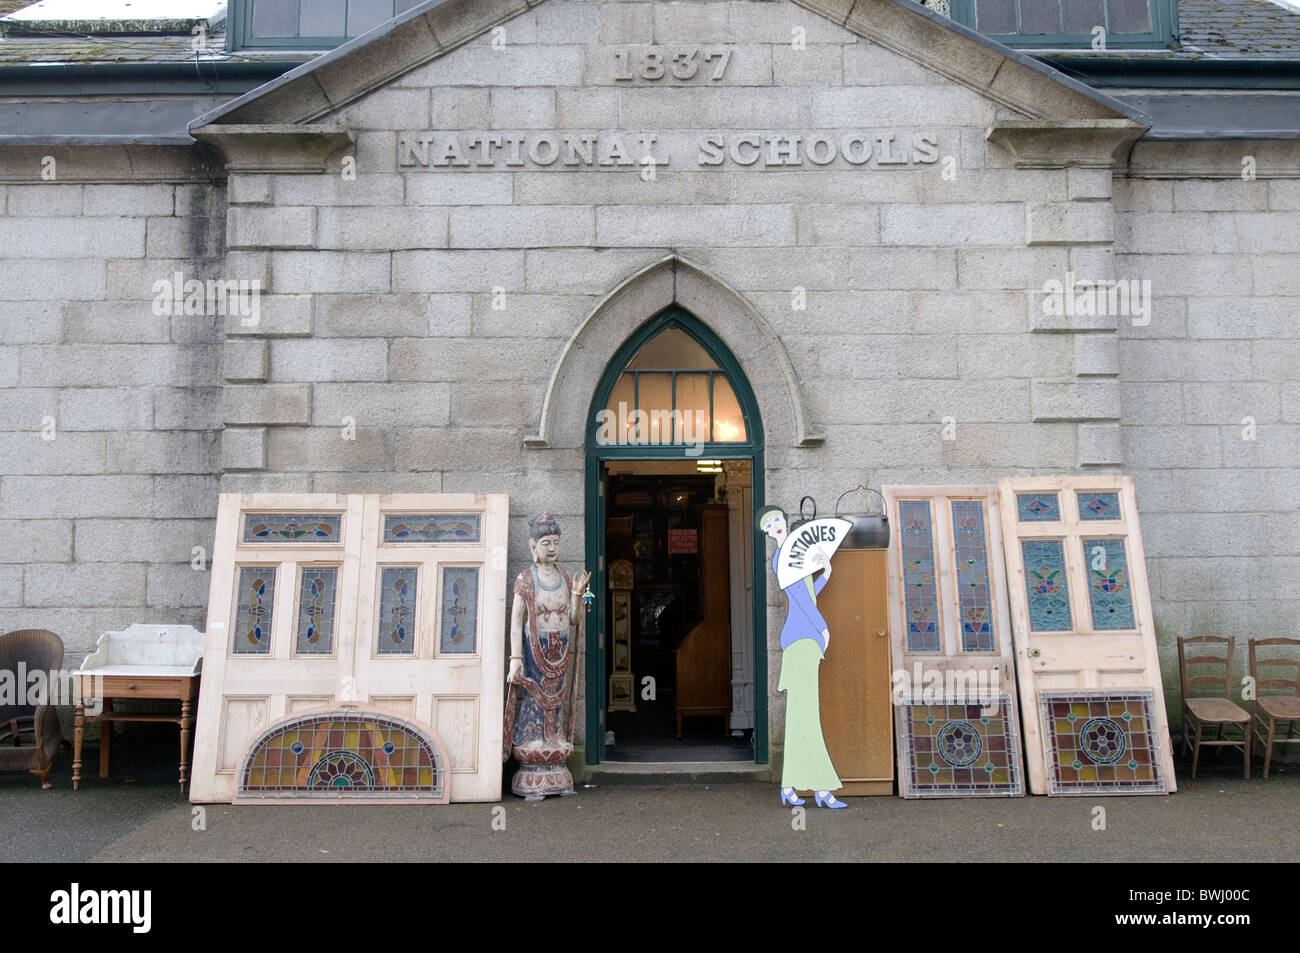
{"points": [[434, 28]]}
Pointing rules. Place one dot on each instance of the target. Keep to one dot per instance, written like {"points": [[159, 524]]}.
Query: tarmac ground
{"points": [[139, 815]]}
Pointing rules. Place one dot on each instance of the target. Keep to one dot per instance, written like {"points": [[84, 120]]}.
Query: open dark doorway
{"points": [[670, 546]]}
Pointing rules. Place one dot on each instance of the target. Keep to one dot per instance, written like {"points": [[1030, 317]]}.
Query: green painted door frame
{"points": [[596, 503]]}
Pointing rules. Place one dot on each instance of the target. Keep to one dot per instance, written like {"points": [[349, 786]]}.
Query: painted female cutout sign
{"points": [[802, 553]]}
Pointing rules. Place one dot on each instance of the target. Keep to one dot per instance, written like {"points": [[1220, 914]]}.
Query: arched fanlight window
{"points": [[673, 391]]}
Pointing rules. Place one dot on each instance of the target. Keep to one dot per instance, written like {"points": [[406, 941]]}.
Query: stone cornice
{"points": [[1060, 144], [276, 147], [85, 163]]}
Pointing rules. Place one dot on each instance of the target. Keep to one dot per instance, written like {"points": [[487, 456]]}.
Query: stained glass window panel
{"points": [[1098, 506], [292, 528], [254, 602], [396, 610], [958, 749], [1101, 742], [339, 754], [1046, 586], [1038, 507], [317, 594], [973, 598], [433, 528], [920, 585], [458, 632], [1110, 589]]}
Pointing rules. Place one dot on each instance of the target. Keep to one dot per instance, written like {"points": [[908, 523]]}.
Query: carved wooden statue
{"points": [[545, 646]]}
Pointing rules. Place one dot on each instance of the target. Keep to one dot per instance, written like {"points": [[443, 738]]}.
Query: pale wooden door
{"points": [[298, 615], [258, 663], [950, 633], [446, 670], [1092, 699]]}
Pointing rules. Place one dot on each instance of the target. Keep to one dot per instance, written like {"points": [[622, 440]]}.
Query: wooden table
{"points": [[177, 683]]}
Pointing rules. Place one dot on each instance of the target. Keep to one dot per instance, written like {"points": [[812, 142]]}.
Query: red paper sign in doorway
{"points": [[683, 542]]}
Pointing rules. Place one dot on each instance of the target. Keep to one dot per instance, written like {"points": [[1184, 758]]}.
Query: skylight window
{"points": [[115, 16], [1092, 24], [313, 24]]}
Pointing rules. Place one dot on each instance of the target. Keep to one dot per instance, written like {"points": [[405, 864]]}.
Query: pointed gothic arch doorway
{"points": [[674, 435]]}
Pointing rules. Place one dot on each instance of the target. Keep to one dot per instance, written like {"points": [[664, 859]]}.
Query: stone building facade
{"points": [[457, 222]]}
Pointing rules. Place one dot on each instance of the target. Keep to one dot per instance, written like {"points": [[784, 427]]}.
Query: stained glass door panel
{"points": [[280, 627], [1082, 624], [391, 604], [454, 673], [950, 640]]}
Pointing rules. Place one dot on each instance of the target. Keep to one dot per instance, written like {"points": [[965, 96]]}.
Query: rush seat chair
{"points": [[1274, 709], [1216, 710]]}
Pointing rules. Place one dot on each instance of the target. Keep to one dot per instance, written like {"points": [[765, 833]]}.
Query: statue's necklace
{"points": [[559, 581]]}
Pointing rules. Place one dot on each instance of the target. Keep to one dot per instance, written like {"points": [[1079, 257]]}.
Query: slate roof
{"points": [[1237, 29], [1240, 29], [139, 48]]}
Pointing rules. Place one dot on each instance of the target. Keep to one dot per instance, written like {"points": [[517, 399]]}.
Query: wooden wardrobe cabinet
{"points": [[856, 708]]}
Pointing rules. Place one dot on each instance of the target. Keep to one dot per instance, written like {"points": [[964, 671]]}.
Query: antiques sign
{"points": [[607, 151]]}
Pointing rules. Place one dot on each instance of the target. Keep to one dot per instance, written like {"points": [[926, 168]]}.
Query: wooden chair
{"points": [[1268, 710], [35, 650], [1217, 710]]}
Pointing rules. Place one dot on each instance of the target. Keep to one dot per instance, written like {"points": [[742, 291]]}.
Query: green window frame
{"points": [[239, 29], [1163, 34]]}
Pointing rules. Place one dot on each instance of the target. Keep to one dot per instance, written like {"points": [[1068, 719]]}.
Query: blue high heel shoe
{"points": [[791, 798], [829, 801]]}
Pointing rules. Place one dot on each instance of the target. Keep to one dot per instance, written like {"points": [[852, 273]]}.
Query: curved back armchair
{"points": [[26, 651]]}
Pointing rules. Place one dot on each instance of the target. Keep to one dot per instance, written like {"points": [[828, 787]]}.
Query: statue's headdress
{"points": [[543, 525]]}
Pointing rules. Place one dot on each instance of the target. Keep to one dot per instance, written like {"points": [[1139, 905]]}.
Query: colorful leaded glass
{"points": [[317, 592], [1101, 742], [920, 587], [335, 754], [459, 629], [433, 528], [1038, 507], [972, 555], [1045, 583], [396, 610], [955, 749], [1099, 506], [292, 528], [254, 600], [1110, 591]]}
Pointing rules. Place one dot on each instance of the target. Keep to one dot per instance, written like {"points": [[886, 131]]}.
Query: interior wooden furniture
{"points": [[154, 662], [704, 656], [1217, 710], [856, 708], [1269, 710], [36, 650]]}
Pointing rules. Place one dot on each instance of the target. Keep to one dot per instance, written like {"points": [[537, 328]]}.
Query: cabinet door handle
{"points": [[880, 633]]}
